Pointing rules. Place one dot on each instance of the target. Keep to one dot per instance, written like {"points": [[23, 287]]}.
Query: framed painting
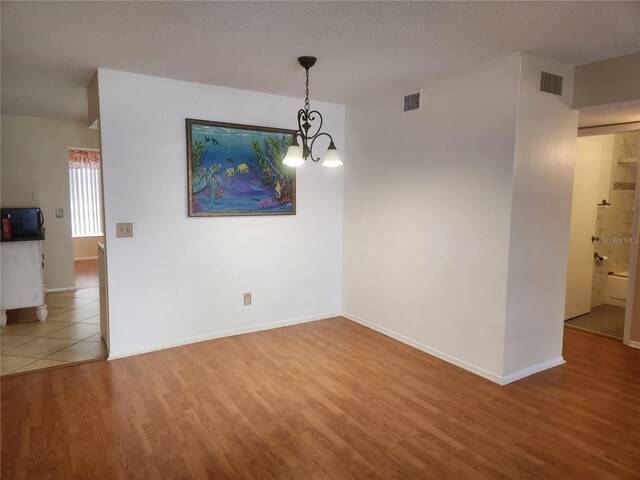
{"points": [[237, 169]]}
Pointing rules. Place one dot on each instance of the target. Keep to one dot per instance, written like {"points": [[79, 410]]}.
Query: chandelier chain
{"points": [[306, 100]]}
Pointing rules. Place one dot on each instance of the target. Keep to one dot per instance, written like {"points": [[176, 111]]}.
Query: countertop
{"points": [[22, 239]]}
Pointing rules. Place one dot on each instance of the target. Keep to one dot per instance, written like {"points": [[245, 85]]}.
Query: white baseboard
{"points": [[525, 372], [427, 349], [500, 380], [78, 259], [58, 290], [113, 355], [634, 344]]}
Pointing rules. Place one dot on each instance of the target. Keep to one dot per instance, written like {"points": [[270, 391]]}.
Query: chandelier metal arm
{"points": [[306, 119], [313, 139]]}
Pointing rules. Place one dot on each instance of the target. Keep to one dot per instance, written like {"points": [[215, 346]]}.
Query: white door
{"points": [[590, 187]]}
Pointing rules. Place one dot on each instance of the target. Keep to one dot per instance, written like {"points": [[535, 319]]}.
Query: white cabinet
{"points": [[22, 282]]}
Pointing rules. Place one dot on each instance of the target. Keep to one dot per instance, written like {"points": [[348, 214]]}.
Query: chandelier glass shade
{"points": [[309, 130]]}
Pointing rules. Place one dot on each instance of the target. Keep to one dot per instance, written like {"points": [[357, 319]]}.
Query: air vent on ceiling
{"points": [[411, 102], [550, 83]]}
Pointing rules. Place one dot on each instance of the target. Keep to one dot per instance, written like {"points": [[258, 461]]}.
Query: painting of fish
{"points": [[236, 169]]}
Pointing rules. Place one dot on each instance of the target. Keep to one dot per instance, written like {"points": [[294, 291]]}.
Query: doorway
{"points": [[74, 328], [602, 233], [86, 214]]}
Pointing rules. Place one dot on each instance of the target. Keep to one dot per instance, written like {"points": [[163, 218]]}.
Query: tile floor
{"points": [[604, 319], [70, 334]]}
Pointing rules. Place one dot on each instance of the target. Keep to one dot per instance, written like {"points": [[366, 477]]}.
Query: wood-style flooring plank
{"points": [[324, 400]]}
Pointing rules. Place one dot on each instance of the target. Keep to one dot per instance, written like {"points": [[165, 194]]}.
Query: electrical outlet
{"points": [[247, 299], [59, 212], [124, 230]]}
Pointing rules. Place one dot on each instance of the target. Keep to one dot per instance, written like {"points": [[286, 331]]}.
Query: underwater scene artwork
{"points": [[237, 170]]}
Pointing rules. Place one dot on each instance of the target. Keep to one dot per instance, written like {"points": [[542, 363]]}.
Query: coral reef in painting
{"points": [[238, 171], [273, 172]]}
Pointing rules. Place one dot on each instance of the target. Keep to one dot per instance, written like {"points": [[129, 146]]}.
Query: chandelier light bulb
{"points": [[293, 158], [331, 158]]}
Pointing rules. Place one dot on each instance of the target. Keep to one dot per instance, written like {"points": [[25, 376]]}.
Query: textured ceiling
{"points": [[50, 49]]}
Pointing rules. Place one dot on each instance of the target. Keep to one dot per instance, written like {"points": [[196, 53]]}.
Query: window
{"points": [[86, 199]]}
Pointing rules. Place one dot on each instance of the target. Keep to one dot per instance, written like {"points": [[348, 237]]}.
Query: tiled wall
{"points": [[614, 222]]}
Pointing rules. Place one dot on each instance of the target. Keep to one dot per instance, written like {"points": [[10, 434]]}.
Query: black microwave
{"points": [[25, 222]]}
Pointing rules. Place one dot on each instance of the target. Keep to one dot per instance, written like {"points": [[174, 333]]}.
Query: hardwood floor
{"points": [[86, 272], [324, 400]]}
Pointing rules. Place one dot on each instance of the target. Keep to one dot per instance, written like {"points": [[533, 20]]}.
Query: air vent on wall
{"points": [[411, 102], [550, 83]]}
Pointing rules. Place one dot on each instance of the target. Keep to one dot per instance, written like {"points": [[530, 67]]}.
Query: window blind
{"points": [[86, 198]]}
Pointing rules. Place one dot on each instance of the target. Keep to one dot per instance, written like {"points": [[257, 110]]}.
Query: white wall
{"points": [[439, 207], [546, 136], [427, 214], [614, 221], [35, 159], [181, 279], [609, 81], [85, 248], [586, 286]]}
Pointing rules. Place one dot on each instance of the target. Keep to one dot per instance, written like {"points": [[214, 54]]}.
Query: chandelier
{"points": [[307, 133]]}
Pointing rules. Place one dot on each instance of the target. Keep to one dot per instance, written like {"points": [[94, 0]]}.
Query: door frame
{"points": [[635, 227], [633, 263]]}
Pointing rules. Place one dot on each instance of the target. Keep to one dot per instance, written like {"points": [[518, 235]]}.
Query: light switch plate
{"points": [[246, 298], [124, 230], [59, 212]]}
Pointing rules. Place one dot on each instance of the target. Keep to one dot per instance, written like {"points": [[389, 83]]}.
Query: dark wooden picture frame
{"points": [[236, 170]]}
